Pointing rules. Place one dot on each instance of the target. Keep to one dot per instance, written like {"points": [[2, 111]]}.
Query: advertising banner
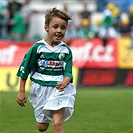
{"points": [[94, 64], [96, 77], [9, 81], [125, 53], [105, 77], [11, 55], [89, 53]]}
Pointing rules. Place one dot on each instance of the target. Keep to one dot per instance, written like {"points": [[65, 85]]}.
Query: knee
{"points": [[42, 126], [57, 124]]}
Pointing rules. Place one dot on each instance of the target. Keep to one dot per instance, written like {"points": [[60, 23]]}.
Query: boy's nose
{"points": [[59, 29]]}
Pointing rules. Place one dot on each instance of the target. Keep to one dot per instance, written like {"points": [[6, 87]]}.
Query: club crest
{"points": [[61, 56]]}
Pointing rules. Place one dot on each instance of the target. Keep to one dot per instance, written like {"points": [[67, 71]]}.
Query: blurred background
{"points": [[100, 36], [90, 13]]}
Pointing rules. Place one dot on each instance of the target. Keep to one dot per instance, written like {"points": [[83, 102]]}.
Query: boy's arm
{"points": [[21, 98]]}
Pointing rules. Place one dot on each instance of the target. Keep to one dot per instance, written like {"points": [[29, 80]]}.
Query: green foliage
{"points": [[97, 110]]}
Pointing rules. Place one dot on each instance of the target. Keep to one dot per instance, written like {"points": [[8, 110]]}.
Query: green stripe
{"points": [[51, 55], [53, 71], [44, 83]]}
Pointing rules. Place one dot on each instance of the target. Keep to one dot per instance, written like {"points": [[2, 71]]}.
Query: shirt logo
{"points": [[22, 69], [61, 56], [41, 63], [59, 102], [50, 63], [42, 56]]}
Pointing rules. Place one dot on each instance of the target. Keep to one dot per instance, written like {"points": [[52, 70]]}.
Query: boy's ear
{"points": [[46, 28]]}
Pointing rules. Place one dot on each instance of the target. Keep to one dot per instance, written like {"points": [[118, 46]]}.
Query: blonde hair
{"points": [[131, 9], [110, 6], [50, 13], [116, 12]]}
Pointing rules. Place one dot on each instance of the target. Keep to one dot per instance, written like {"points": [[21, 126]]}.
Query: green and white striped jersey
{"points": [[46, 65]]}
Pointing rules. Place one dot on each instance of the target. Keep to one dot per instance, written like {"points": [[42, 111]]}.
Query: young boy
{"points": [[49, 63]]}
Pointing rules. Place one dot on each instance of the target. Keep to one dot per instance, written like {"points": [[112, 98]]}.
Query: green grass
{"points": [[97, 110]]}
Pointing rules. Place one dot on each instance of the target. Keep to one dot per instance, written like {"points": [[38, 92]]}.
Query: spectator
{"points": [[107, 30], [85, 13], [76, 20], [1, 21], [130, 14], [3, 15], [72, 26], [65, 8], [96, 27], [110, 7], [75, 15], [27, 13], [71, 33], [85, 30], [18, 28], [125, 30], [12, 5], [116, 14]]}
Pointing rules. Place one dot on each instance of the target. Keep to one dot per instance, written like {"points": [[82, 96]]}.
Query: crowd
{"points": [[15, 18], [112, 24]]}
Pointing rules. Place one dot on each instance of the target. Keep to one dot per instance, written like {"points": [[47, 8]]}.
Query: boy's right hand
{"points": [[21, 98]]}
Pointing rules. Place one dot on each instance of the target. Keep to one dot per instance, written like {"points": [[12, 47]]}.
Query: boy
{"points": [[49, 63]]}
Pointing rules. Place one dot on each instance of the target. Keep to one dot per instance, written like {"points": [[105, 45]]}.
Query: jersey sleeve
{"points": [[68, 66], [28, 63]]}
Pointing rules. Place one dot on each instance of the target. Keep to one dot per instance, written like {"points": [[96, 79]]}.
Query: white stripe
{"points": [[40, 41], [44, 77], [47, 48], [43, 48]]}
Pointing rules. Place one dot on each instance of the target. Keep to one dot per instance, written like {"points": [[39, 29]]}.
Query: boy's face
{"points": [[56, 30]]}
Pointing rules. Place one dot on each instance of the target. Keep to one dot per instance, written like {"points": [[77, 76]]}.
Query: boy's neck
{"points": [[52, 44]]}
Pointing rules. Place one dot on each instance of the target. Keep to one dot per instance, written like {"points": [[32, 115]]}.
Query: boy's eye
{"points": [[55, 26], [63, 27]]}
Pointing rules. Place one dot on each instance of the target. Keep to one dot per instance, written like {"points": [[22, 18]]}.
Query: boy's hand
{"points": [[21, 98], [60, 86]]}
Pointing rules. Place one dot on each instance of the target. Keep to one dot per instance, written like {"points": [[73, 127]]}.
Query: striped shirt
{"points": [[46, 65]]}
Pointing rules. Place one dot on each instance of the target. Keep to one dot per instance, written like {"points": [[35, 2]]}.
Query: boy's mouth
{"points": [[58, 36]]}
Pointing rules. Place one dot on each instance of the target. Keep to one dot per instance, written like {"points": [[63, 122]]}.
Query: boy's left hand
{"points": [[60, 86]]}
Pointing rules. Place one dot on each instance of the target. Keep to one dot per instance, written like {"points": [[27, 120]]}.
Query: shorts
{"points": [[44, 99]]}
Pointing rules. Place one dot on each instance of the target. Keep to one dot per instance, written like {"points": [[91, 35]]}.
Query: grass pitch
{"points": [[97, 110]]}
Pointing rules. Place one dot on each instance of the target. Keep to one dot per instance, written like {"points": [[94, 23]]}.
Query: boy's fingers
{"points": [[61, 89], [21, 102]]}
